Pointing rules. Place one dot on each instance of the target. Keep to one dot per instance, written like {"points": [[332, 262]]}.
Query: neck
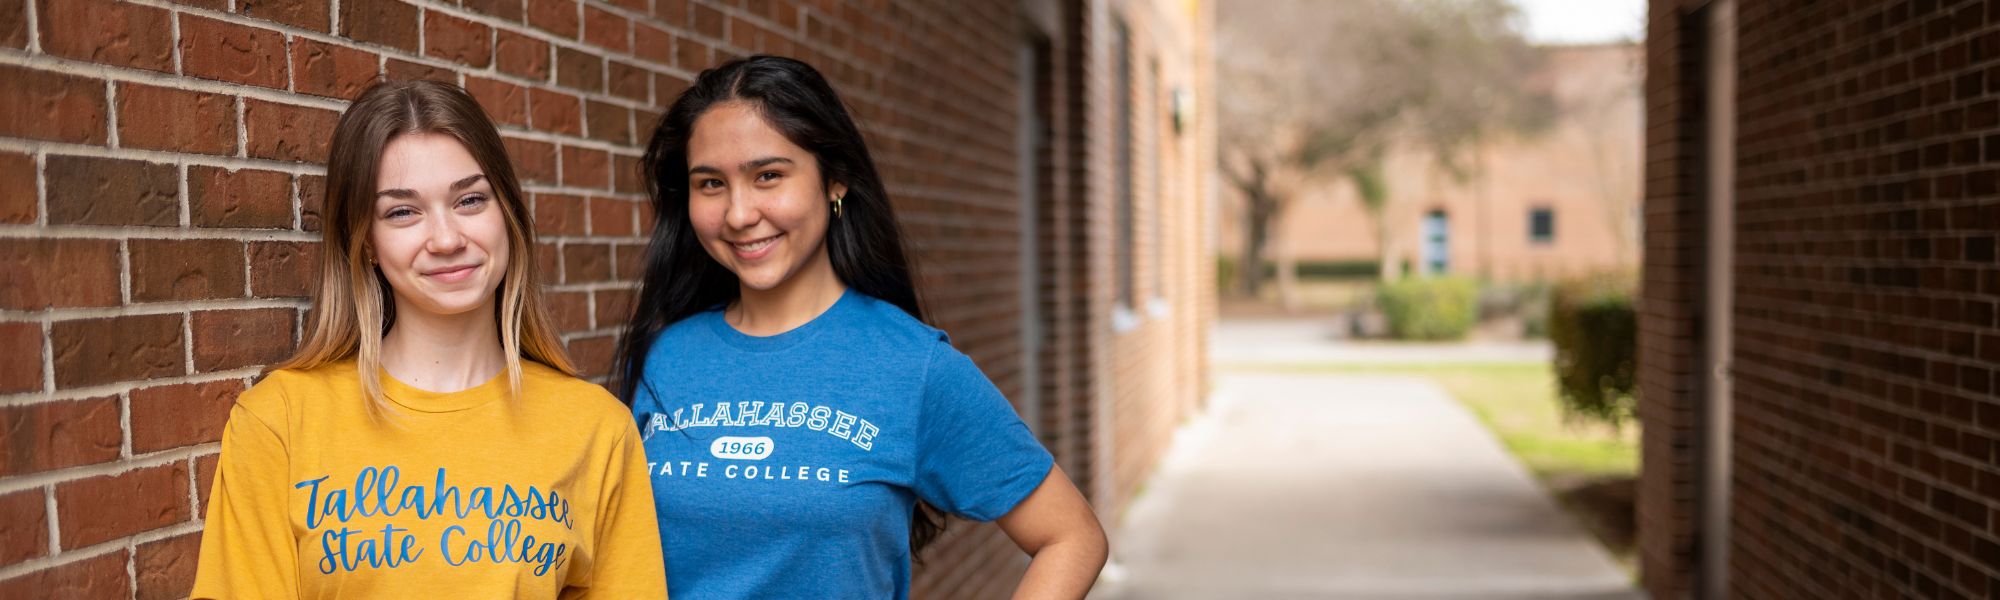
{"points": [[443, 353], [793, 302]]}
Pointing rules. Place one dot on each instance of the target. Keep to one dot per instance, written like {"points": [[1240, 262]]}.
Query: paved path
{"points": [[1348, 486], [1319, 341]]}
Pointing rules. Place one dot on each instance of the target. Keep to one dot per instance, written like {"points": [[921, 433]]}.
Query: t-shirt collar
{"points": [[788, 339], [423, 400]]}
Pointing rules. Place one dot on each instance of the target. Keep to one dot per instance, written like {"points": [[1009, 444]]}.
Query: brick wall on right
{"points": [[1866, 448]]}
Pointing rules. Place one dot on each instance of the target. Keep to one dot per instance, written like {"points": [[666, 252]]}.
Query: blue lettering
{"points": [[312, 501], [333, 544], [444, 545], [440, 491]]}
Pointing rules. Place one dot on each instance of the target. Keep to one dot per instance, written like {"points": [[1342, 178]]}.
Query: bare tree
{"points": [[1296, 103], [1608, 116], [1480, 85], [1316, 92]]}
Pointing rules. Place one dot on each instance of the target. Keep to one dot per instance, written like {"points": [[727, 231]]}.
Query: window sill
{"points": [[1123, 319]]}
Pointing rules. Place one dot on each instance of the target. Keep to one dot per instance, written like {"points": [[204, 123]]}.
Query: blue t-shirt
{"points": [[786, 466]]}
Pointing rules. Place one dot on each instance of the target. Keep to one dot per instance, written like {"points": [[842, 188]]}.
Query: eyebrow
{"points": [[745, 167], [406, 193]]}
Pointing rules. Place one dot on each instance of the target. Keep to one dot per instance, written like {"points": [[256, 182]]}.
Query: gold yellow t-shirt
{"points": [[468, 494]]}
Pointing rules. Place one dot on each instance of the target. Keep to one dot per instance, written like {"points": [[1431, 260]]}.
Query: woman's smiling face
{"points": [[755, 198], [438, 234]]}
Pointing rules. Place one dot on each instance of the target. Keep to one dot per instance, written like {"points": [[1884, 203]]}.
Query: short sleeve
{"points": [[247, 548], [627, 563], [975, 457]]}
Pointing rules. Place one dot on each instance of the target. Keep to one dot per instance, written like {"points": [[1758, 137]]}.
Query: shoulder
{"points": [[947, 369], [680, 333], [896, 325], [330, 374], [282, 393]]}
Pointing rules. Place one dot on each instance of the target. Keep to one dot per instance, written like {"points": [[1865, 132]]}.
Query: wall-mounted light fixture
{"points": [[1183, 107]]}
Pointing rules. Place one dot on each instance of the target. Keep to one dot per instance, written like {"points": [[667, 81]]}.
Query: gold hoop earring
{"points": [[836, 206]]}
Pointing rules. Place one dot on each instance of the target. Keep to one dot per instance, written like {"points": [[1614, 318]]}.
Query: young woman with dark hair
{"points": [[800, 416], [429, 439]]}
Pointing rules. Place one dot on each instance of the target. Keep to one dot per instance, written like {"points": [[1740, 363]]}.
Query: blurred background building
{"points": [[1559, 203]]}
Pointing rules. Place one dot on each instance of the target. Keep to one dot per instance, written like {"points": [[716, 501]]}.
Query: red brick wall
{"points": [[1670, 302], [1866, 283], [1152, 392], [161, 165], [1866, 341]]}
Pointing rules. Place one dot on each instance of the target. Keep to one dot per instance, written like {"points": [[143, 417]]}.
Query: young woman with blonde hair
{"points": [[429, 438]]}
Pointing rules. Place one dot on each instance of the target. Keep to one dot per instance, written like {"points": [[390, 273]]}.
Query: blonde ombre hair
{"points": [[353, 307]]}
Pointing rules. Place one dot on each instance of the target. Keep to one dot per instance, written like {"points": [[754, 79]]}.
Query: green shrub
{"points": [[1527, 300], [1225, 275], [1535, 325], [1225, 270], [1429, 308], [1508, 299], [1595, 329]]}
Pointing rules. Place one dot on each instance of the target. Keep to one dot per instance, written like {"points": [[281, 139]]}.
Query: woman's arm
{"points": [[627, 554], [247, 550], [1056, 527]]}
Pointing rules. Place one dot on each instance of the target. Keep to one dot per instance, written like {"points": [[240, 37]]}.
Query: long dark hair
{"points": [[865, 245]]}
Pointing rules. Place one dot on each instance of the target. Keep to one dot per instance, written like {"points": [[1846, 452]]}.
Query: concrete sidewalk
{"points": [[1343, 486], [1244, 342]]}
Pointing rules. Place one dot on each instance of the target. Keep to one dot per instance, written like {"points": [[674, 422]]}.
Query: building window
{"points": [[1123, 242], [1542, 225], [1436, 243]]}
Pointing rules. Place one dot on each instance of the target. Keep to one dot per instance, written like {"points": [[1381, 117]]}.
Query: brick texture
{"points": [[149, 498], [1864, 370], [1671, 295], [159, 118], [98, 577], [165, 568], [24, 526], [44, 105], [17, 188], [247, 198], [162, 173], [213, 49], [109, 191], [59, 273]]}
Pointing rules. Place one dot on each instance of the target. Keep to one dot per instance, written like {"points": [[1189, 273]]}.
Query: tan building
{"points": [[1560, 203]]}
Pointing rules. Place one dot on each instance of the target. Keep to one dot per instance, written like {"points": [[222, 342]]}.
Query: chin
{"points": [[451, 308], [453, 303], [757, 280]]}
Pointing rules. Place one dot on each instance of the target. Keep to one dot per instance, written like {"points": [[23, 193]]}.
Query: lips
{"points": [[755, 249], [452, 274]]}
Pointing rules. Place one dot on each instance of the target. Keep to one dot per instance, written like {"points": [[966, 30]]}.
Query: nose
{"points": [[743, 211], [445, 237]]}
